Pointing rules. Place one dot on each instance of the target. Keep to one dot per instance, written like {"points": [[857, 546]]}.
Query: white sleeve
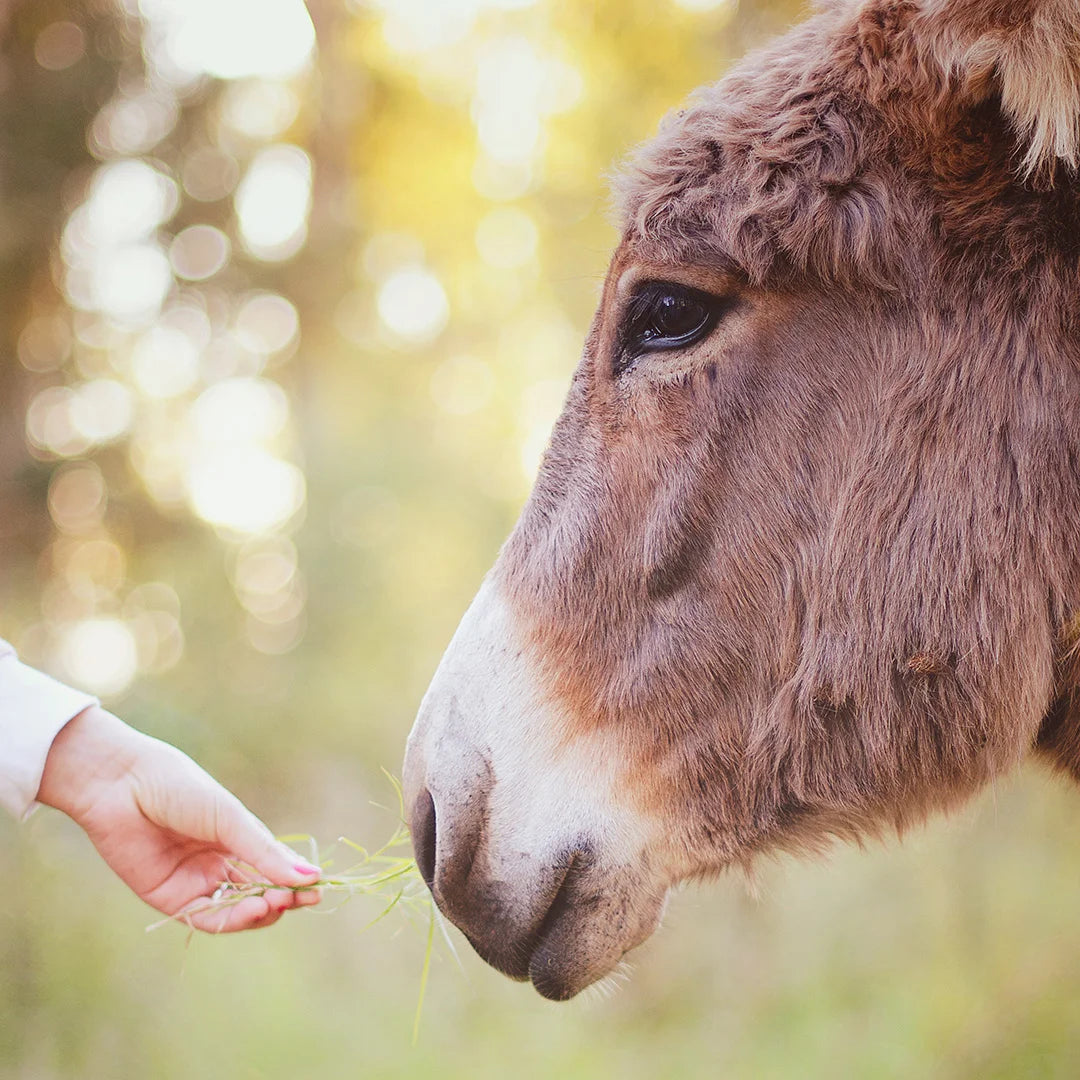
{"points": [[33, 709]]}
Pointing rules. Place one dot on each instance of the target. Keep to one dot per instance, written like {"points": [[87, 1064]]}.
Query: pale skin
{"points": [[168, 830]]}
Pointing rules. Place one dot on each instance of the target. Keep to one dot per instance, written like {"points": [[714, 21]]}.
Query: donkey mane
{"points": [[803, 158]]}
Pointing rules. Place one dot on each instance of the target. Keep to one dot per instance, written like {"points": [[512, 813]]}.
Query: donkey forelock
{"points": [[870, 124], [803, 556]]}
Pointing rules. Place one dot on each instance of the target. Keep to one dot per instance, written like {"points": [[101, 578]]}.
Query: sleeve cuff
{"points": [[33, 709]]}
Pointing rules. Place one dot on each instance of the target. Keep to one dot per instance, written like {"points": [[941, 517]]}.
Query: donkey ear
{"points": [[1028, 51]]}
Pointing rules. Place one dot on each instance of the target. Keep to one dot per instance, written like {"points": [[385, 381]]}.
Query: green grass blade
{"points": [[424, 978]]}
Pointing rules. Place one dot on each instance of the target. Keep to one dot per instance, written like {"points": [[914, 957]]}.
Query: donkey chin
{"points": [[522, 842]]}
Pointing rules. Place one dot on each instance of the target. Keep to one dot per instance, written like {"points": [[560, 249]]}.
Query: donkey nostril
{"points": [[423, 835]]}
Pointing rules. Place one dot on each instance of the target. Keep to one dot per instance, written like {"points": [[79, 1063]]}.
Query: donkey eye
{"points": [[661, 316]]}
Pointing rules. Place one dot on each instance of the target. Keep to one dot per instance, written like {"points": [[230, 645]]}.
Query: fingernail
{"points": [[306, 869], [308, 897]]}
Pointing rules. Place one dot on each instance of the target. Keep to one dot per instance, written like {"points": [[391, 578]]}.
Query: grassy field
{"points": [[953, 955]]}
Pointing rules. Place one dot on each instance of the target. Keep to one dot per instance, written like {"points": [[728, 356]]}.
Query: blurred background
{"points": [[289, 298]]}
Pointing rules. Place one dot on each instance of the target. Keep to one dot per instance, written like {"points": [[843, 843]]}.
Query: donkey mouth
{"points": [[562, 924], [593, 919], [551, 956]]}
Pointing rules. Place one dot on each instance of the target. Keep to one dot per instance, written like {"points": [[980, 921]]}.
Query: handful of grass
{"points": [[388, 873]]}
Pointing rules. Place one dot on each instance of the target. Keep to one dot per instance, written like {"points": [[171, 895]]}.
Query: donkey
{"points": [[802, 560]]}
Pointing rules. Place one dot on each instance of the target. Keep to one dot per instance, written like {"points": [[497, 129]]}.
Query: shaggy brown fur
{"points": [[821, 571]]}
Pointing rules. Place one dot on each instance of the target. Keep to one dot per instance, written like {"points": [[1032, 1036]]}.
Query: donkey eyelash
{"points": [[662, 316]]}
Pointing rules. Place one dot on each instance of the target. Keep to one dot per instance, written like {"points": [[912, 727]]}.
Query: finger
{"points": [[279, 899], [241, 833], [250, 913], [217, 918]]}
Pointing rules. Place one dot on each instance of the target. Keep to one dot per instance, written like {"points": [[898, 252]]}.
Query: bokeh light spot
{"points": [[198, 252], [98, 563], [245, 490], [100, 655], [412, 303], [272, 202], [127, 200], [59, 45], [131, 283], [133, 123], [259, 108], [164, 362], [102, 409], [240, 410], [267, 323], [44, 343], [233, 39], [77, 496], [264, 570], [209, 174], [50, 425]]}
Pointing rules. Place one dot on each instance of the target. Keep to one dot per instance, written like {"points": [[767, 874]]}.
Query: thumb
{"points": [[246, 837]]}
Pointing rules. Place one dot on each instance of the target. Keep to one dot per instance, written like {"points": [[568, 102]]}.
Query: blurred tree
{"points": [[45, 109]]}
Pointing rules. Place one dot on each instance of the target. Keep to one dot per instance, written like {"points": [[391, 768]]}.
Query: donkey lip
{"points": [[514, 956], [555, 971]]}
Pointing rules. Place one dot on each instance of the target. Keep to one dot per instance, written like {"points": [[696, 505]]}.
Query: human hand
{"points": [[168, 829]]}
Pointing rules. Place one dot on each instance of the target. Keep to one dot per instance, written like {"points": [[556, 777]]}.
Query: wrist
{"points": [[91, 753]]}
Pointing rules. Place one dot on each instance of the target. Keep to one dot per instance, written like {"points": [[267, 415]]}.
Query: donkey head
{"points": [[806, 542]]}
